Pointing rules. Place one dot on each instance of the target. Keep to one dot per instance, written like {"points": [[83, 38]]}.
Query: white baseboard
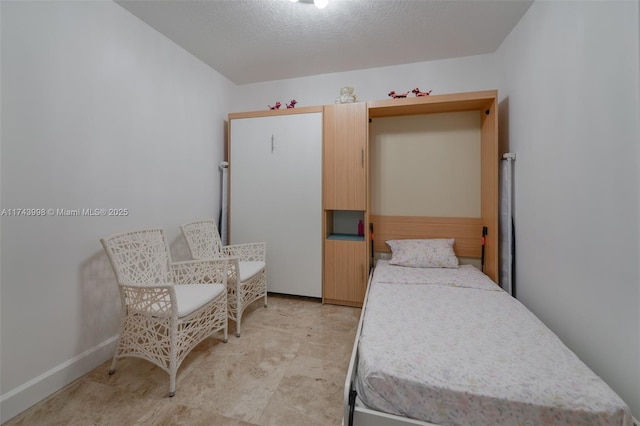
{"points": [[28, 394]]}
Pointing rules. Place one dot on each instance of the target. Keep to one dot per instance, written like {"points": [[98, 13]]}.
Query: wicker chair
{"points": [[247, 280], [168, 308]]}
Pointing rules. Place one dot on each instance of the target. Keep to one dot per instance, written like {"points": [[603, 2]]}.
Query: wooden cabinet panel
{"points": [[345, 272], [345, 157]]}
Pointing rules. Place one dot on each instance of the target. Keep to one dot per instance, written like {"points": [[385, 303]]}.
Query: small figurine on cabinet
{"points": [[395, 95], [292, 104], [346, 96], [417, 92], [276, 106]]}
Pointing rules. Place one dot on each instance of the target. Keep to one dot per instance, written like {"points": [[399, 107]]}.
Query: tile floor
{"points": [[288, 368]]}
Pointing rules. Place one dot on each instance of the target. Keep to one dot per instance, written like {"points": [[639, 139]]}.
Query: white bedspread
{"points": [[452, 348]]}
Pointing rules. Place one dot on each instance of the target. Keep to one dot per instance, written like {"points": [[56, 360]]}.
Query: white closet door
{"points": [[276, 196]]}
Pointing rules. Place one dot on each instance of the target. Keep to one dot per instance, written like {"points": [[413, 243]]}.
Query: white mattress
{"points": [[450, 347]]}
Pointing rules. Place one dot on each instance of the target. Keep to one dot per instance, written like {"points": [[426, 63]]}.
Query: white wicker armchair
{"points": [[247, 281], [168, 308]]}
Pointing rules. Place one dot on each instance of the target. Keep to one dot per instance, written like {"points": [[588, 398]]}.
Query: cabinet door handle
{"points": [[273, 147], [362, 157]]}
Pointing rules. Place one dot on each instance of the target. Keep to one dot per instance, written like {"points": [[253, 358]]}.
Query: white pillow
{"points": [[435, 253]]}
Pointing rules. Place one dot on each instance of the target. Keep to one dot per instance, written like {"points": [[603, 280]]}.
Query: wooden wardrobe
{"points": [[301, 180]]}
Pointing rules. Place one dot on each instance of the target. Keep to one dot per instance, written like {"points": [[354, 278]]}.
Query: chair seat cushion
{"points": [[250, 268], [192, 297]]}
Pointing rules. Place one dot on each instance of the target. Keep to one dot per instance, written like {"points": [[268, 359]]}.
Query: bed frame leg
{"points": [[352, 405]]}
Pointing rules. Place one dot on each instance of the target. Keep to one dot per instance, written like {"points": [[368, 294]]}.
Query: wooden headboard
{"points": [[466, 231]]}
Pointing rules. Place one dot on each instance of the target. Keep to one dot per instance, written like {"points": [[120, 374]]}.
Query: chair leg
{"points": [[226, 330], [265, 299], [173, 357], [172, 378], [172, 393], [238, 319], [112, 370], [239, 309]]}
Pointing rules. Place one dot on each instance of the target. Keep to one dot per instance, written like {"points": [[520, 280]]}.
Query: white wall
{"points": [[98, 111], [445, 76], [571, 91]]}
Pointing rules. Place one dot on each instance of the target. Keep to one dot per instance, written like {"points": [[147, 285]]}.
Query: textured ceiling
{"points": [[261, 40]]}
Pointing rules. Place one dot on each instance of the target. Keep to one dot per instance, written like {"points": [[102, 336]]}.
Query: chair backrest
{"points": [[203, 239], [139, 257]]}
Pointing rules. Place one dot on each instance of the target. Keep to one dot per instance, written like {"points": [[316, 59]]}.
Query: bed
{"points": [[447, 346]]}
